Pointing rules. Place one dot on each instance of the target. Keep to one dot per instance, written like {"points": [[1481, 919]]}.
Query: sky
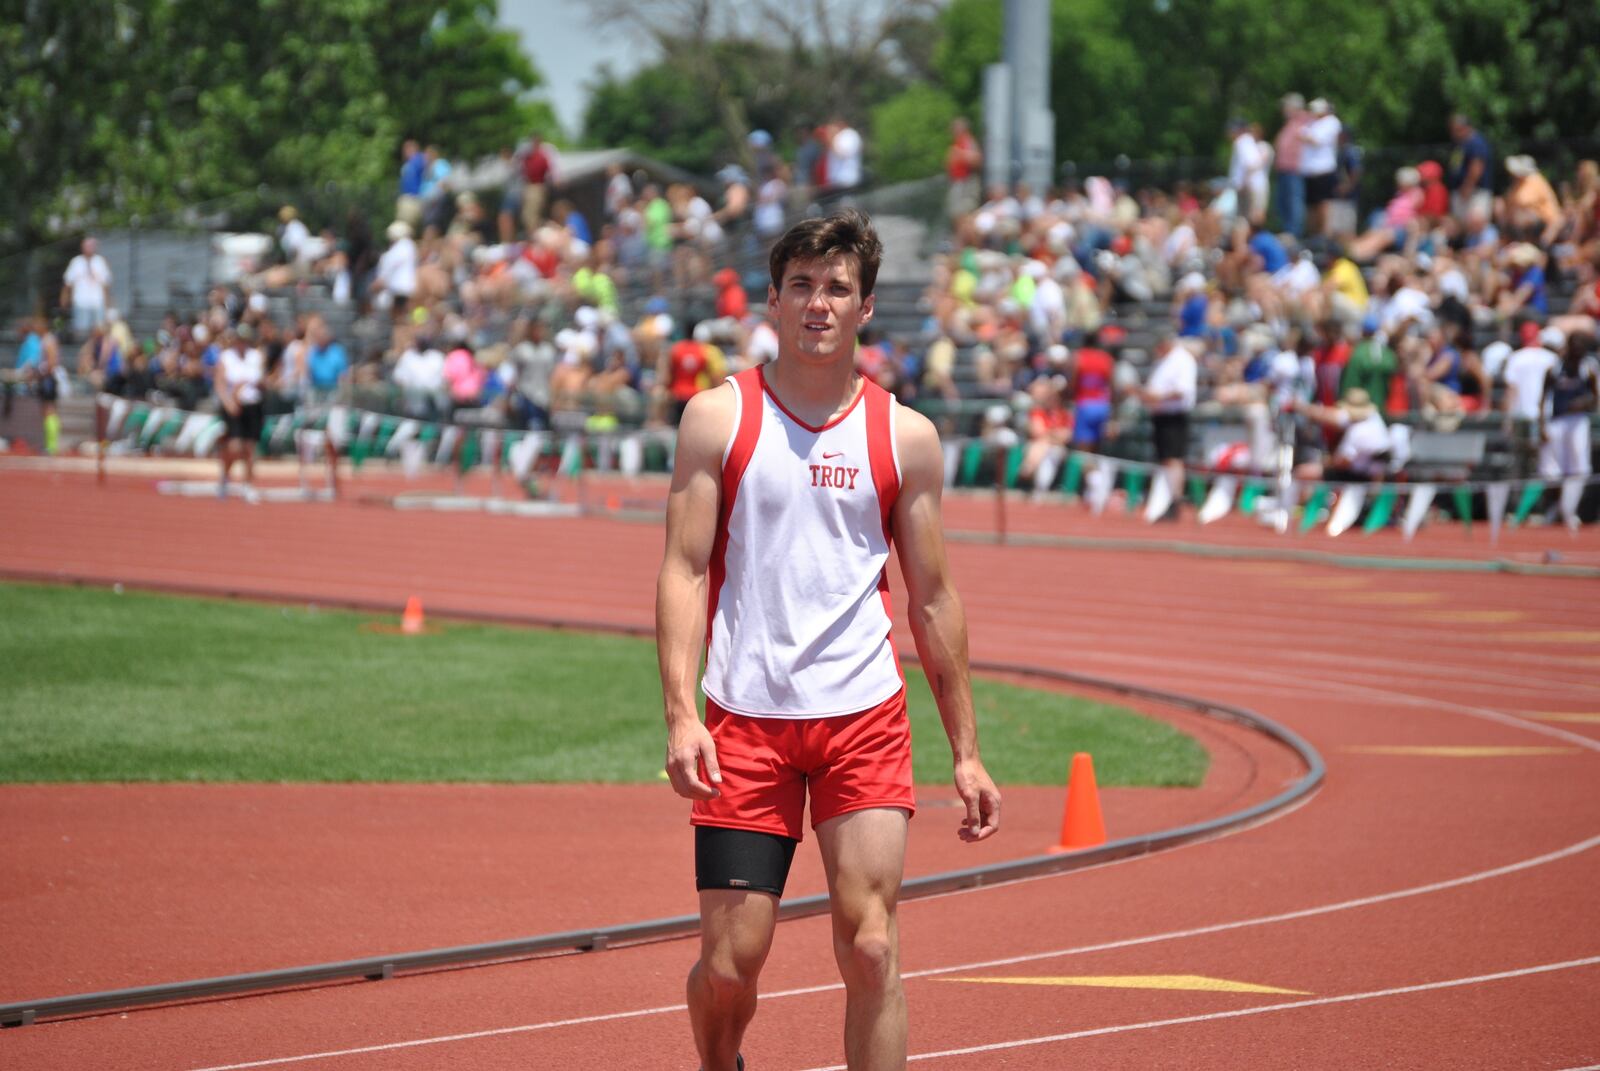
{"points": [[567, 50]]}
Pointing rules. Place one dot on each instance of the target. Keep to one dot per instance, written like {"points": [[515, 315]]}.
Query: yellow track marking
{"points": [[1197, 982]]}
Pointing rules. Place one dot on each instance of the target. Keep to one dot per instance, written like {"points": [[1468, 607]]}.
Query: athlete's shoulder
{"points": [[707, 423], [913, 429], [917, 445]]}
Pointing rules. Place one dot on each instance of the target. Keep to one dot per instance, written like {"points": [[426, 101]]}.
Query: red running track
{"points": [[1427, 909]]}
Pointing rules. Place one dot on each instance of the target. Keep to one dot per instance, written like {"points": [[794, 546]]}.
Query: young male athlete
{"points": [[791, 482]]}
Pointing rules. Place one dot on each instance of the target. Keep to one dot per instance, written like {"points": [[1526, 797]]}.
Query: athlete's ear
{"points": [[866, 310], [772, 301]]}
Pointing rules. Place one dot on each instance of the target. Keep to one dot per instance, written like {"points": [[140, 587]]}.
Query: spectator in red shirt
{"points": [[731, 298], [537, 171], [961, 163], [1049, 432], [684, 375], [1435, 194], [541, 253], [1090, 385], [1331, 354]]}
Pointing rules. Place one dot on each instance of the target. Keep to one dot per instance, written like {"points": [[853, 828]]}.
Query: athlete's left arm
{"points": [[938, 621]]}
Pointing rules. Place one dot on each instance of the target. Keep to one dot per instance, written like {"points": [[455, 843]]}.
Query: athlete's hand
{"points": [[982, 799], [689, 745]]}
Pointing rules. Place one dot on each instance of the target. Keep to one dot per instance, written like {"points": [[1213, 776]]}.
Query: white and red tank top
{"points": [[798, 619]]}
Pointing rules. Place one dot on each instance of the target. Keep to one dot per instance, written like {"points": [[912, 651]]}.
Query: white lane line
{"points": [[1182, 670], [1287, 916], [1174, 935], [445, 1039], [1239, 1013]]}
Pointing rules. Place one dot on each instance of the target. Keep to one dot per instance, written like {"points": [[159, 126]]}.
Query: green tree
{"points": [[1160, 78], [657, 112], [911, 133], [452, 75], [117, 107], [731, 66]]}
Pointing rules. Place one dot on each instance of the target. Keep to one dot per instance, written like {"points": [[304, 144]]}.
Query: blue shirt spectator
{"points": [[1533, 277], [31, 353], [326, 364], [1448, 358], [1274, 258], [412, 172], [1472, 146], [579, 227], [433, 174], [1192, 315]]}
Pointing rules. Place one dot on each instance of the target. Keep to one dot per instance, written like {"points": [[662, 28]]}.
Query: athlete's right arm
{"points": [[681, 588]]}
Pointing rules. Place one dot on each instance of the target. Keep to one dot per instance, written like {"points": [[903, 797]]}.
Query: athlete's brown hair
{"points": [[846, 231]]}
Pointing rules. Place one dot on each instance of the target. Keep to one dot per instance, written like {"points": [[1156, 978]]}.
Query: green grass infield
{"points": [[105, 686]]}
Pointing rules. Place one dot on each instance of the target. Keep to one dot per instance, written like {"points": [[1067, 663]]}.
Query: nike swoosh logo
{"points": [[830, 457]]}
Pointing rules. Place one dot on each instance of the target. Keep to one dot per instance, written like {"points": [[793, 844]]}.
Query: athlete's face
{"points": [[819, 309]]}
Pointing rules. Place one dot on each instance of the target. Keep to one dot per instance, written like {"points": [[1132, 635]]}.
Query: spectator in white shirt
{"points": [[237, 378], [419, 373], [1319, 162], [85, 286], [1364, 447], [396, 279], [292, 234], [1243, 165], [1525, 372], [1170, 395], [844, 158]]}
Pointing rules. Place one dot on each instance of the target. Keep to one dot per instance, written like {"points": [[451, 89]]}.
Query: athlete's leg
{"points": [[864, 855], [736, 928]]}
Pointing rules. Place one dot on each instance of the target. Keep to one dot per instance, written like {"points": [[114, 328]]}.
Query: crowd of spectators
{"points": [[1439, 308], [489, 292], [505, 301]]}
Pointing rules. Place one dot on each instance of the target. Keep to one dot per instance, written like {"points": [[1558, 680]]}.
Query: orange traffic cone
{"points": [[411, 622], [1081, 823]]}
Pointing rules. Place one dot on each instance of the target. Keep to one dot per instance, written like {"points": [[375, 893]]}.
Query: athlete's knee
{"points": [[725, 979], [868, 958]]}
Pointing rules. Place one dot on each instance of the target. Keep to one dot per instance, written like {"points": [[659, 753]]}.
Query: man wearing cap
{"points": [[1468, 171], [291, 234], [1363, 450], [396, 276], [1291, 184], [1525, 373], [1319, 162]]}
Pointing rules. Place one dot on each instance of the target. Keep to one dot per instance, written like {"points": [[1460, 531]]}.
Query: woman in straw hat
{"points": [[1364, 445], [1530, 211]]}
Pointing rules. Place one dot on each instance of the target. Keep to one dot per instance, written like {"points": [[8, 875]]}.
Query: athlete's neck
{"points": [[814, 393]]}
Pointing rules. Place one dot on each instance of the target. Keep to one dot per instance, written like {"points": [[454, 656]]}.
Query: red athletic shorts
{"points": [[847, 763]]}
